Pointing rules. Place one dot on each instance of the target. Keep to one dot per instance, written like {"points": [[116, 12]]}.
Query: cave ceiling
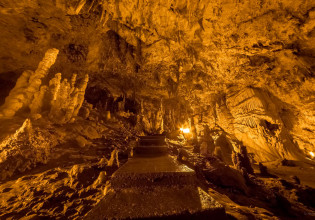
{"points": [[219, 44], [205, 53]]}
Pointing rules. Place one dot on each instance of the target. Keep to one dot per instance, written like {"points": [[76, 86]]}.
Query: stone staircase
{"points": [[153, 185]]}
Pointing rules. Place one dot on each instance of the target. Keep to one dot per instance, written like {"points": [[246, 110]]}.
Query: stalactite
{"points": [[81, 92]]}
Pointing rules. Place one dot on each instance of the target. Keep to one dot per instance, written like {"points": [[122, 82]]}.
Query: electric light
{"points": [[312, 154], [185, 130]]}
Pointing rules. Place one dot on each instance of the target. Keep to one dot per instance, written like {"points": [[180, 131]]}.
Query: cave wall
{"points": [[256, 118], [211, 46], [247, 66]]}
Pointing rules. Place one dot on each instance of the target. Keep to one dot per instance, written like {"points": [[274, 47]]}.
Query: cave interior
{"points": [[169, 109]]}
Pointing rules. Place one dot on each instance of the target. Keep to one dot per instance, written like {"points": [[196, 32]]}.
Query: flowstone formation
{"points": [[255, 117]]}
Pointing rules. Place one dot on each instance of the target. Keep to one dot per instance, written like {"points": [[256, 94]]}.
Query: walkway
{"points": [[154, 185]]}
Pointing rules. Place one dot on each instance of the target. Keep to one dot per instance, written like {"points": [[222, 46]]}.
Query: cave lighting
{"points": [[312, 154], [185, 130]]}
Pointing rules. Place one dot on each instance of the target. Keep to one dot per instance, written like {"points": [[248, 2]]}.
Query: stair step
{"points": [[151, 140], [152, 171], [157, 203], [153, 149], [153, 185]]}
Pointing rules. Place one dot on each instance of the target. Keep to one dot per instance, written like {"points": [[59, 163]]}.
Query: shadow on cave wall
{"points": [[103, 100], [286, 112], [7, 82]]}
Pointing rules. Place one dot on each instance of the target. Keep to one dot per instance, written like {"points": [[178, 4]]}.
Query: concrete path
{"points": [[154, 185]]}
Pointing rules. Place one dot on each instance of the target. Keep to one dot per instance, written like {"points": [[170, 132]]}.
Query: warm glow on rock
{"points": [[185, 130], [157, 109]]}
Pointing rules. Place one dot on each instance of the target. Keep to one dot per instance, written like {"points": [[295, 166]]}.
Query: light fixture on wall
{"points": [[185, 130]]}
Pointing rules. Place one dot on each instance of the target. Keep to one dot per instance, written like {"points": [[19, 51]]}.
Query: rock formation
{"points": [[113, 158], [233, 71], [24, 149], [226, 148], [38, 101], [66, 99], [27, 85], [152, 121], [254, 117], [241, 160], [263, 170], [63, 100], [208, 139], [231, 177], [202, 54]]}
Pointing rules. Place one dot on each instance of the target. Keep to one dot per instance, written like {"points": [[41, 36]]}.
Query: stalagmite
{"points": [[91, 128], [38, 101], [81, 92], [113, 157], [241, 160], [62, 100], [54, 86], [27, 85], [67, 99]]}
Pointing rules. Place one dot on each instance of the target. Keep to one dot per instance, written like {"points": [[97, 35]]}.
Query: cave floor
{"points": [[155, 187], [46, 192], [303, 170], [57, 189]]}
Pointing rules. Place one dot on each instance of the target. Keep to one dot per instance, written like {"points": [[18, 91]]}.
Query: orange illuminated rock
{"points": [[27, 85]]}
